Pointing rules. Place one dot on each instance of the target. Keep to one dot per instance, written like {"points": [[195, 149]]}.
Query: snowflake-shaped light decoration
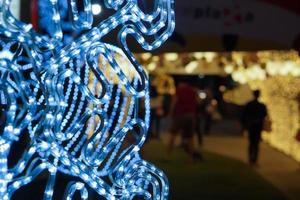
{"points": [[80, 103]]}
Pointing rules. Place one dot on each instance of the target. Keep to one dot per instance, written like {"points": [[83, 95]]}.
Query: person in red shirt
{"points": [[183, 112]]}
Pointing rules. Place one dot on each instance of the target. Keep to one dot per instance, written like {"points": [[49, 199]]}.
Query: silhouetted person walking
{"points": [[253, 118]]}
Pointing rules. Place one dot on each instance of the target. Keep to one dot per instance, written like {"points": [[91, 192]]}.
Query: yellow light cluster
{"points": [[246, 67], [182, 63], [165, 84]]}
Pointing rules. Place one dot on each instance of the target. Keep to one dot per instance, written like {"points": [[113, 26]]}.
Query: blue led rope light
{"points": [[61, 95]]}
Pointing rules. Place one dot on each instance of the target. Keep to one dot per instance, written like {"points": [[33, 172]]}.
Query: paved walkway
{"points": [[277, 168], [280, 170]]}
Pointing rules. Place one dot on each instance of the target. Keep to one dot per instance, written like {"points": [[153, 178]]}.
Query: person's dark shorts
{"points": [[183, 124]]}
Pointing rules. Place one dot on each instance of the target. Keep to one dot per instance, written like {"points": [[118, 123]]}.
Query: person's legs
{"points": [[250, 151], [175, 127], [198, 130], [152, 119], [255, 151], [254, 139], [171, 145], [157, 126], [207, 125], [187, 134]]}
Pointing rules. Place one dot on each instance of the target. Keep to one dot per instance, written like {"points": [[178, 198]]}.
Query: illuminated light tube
{"points": [[77, 101]]}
